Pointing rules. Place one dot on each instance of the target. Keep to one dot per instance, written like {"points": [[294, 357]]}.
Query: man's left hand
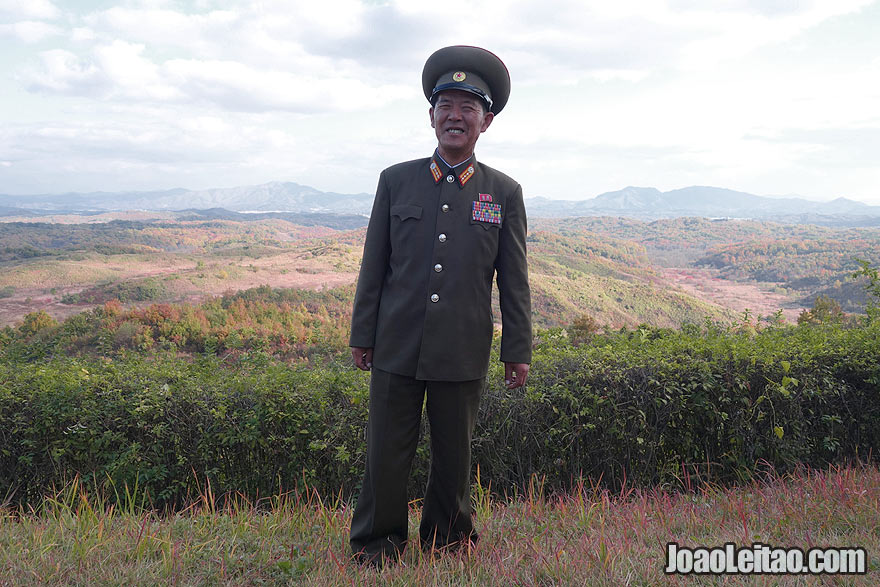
{"points": [[515, 374]]}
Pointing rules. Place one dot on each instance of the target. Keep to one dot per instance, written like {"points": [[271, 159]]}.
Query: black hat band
{"points": [[464, 87]]}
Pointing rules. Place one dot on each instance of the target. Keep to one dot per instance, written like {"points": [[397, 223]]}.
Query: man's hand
{"points": [[363, 358], [515, 374]]}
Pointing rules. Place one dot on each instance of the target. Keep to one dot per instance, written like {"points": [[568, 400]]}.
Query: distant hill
{"points": [[648, 203], [333, 220], [644, 203], [268, 197]]}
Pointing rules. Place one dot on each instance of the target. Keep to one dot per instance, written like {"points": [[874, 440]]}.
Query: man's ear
{"points": [[487, 120], [431, 115]]}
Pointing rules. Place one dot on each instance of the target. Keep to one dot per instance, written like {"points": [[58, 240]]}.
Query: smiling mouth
{"points": [[455, 131]]}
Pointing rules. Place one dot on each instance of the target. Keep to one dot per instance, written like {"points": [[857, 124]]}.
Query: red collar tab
{"points": [[465, 175], [435, 171]]}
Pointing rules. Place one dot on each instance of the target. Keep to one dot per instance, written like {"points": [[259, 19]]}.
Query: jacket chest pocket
{"points": [[405, 222], [485, 228]]}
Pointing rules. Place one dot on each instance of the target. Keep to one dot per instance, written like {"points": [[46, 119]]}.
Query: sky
{"points": [[771, 97]]}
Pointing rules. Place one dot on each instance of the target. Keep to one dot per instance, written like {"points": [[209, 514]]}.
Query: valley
{"points": [[739, 297]]}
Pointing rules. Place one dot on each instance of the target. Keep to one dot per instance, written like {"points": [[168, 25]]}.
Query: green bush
{"points": [[651, 406], [143, 290], [642, 407], [167, 425]]}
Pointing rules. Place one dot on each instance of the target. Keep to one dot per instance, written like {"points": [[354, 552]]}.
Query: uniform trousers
{"points": [[379, 524]]}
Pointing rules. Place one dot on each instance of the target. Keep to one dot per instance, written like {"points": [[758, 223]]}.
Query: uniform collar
{"points": [[463, 172]]}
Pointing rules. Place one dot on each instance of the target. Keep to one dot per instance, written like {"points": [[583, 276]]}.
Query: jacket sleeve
{"points": [[513, 284], [377, 251]]}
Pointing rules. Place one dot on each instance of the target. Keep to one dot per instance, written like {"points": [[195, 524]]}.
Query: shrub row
{"points": [[653, 406], [642, 407], [290, 324]]}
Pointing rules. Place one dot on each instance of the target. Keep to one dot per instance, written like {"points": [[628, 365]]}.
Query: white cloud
{"points": [[739, 30], [120, 71], [332, 18], [154, 152], [29, 31], [117, 70], [64, 73], [237, 87], [133, 77], [202, 34], [82, 34], [29, 9]]}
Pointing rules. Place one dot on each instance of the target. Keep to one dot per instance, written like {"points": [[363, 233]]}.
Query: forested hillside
{"points": [[801, 261], [618, 272], [609, 279]]}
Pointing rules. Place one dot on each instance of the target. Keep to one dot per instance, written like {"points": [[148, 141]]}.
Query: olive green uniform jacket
{"points": [[435, 239]]}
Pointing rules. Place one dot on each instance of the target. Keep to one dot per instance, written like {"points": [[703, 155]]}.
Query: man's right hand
{"points": [[363, 357]]}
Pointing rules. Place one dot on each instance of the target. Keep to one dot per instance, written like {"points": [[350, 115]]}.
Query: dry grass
{"points": [[707, 285], [585, 537]]}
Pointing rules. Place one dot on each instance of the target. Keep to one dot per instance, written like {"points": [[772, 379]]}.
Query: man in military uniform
{"points": [[440, 228]]}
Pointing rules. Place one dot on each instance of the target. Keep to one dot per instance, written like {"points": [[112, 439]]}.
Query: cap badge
{"points": [[459, 76]]}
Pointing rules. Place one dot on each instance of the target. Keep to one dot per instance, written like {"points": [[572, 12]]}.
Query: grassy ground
{"points": [[585, 537]]}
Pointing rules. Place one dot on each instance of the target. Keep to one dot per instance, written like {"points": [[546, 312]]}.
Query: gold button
{"points": [[435, 298], [442, 238], [438, 268], [445, 207]]}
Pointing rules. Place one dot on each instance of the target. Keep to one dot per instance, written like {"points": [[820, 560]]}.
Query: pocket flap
{"points": [[485, 225], [404, 211]]}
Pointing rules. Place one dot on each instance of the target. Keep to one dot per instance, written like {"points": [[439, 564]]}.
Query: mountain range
{"points": [[647, 203], [644, 203], [267, 197]]}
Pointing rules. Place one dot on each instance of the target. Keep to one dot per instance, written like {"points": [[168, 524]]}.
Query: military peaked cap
{"points": [[472, 69]]}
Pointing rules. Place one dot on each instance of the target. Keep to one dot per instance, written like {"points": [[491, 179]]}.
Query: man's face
{"points": [[458, 118]]}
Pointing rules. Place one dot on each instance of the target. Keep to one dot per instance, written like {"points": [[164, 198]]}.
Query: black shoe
{"points": [[368, 560]]}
